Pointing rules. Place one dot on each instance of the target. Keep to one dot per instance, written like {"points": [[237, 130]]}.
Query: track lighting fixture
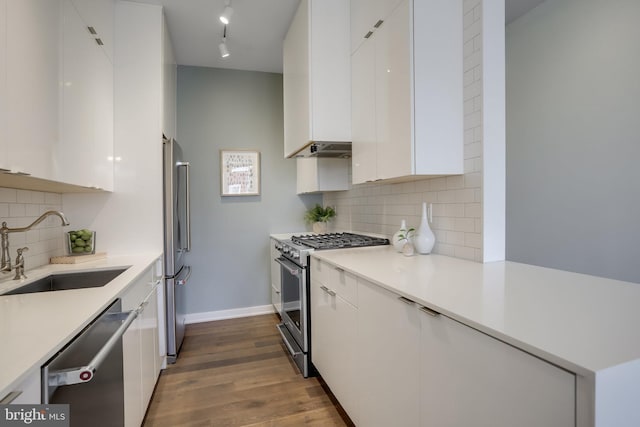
{"points": [[224, 51], [226, 13]]}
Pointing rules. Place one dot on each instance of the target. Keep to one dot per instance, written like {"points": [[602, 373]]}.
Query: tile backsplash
{"points": [[457, 200], [19, 208]]}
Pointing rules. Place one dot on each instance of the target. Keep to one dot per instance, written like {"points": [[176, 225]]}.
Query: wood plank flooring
{"points": [[237, 373]]}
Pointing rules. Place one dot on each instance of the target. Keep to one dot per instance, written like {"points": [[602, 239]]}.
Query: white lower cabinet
{"points": [[140, 348], [471, 379], [333, 350], [276, 299], [388, 362], [392, 362]]}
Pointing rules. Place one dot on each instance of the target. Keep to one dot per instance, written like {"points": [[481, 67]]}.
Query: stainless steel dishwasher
{"points": [[87, 374]]}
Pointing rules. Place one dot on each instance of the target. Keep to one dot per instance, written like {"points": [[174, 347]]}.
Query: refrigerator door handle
{"points": [[187, 168]]}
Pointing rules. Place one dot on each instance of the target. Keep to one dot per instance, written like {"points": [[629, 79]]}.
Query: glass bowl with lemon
{"points": [[81, 242]]}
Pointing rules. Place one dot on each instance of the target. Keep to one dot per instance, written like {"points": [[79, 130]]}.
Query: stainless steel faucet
{"points": [[5, 264]]}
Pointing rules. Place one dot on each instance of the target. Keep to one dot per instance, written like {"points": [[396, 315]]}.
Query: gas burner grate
{"points": [[338, 240]]}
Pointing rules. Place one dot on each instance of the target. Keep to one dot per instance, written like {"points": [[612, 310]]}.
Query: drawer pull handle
{"points": [[369, 34], [406, 300], [339, 270], [329, 291], [10, 397], [377, 24], [429, 311]]}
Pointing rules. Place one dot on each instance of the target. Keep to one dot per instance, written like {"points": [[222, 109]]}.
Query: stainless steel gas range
{"points": [[295, 280]]}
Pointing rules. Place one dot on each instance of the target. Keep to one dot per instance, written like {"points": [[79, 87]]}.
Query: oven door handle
{"points": [[293, 269]]}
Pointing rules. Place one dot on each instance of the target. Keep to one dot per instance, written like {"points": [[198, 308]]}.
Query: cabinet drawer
{"points": [[336, 279]]}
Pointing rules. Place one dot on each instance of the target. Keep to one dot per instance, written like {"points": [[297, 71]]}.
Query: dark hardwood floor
{"points": [[237, 373]]}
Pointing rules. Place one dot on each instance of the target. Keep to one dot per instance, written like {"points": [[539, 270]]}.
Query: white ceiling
{"points": [[254, 35]]}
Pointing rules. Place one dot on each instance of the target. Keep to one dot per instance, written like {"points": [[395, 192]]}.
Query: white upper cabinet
{"points": [[169, 83], [85, 152], [316, 76], [407, 111], [56, 87], [32, 89]]}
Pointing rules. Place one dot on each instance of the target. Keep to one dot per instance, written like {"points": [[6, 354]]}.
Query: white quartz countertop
{"points": [[33, 327], [582, 323]]}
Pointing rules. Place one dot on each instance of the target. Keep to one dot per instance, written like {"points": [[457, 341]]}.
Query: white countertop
{"points": [[33, 327], [583, 323]]}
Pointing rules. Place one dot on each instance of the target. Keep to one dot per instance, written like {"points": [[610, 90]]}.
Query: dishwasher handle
{"points": [[84, 374]]}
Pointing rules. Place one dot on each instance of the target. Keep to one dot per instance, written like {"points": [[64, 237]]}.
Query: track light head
{"points": [[226, 14], [224, 52]]}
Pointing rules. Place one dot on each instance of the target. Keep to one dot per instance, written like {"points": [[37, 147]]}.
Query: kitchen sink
{"points": [[66, 281]]}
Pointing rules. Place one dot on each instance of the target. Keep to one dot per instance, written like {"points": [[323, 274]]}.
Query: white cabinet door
{"points": [[333, 334], [132, 368], [295, 81], [471, 379], [388, 357], [393, 95], [276, 298], [363, 114], [32, 85], [149, 347], [140, 348], [333, 344], [85, 151]]}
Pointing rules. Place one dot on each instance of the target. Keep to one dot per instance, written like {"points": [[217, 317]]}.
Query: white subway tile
{"points": [[32, 211], [23, 196], [473, 150], [32, 236], [455, 182], [53, 198], [473, 240], [8, 195], [464, 224], [464, 252], [471, 31], [17, 210], [4, 211], [477, 11], [472, 210], [473, 180]]}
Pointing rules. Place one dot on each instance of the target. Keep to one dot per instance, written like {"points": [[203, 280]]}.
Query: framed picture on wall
{"points": [[240, 172]]}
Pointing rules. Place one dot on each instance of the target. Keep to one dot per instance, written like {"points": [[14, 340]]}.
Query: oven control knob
{"points": [[278, 247], [285, 250], [296, 255]]}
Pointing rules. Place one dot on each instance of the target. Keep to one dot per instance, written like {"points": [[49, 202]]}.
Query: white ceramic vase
{"points": [[395, 240], [424, 238]]}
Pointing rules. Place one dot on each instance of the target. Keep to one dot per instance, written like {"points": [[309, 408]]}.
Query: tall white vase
{"points": [[424, 238]]}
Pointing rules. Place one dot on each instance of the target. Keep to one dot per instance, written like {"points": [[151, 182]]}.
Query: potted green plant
{"points": [[319, 216]]}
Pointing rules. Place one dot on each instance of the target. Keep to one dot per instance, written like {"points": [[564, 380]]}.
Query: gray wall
{"points": [[573, 137], [220, 109]]}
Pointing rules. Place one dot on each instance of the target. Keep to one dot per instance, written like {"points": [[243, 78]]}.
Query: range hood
{"points": [[341, 150]]}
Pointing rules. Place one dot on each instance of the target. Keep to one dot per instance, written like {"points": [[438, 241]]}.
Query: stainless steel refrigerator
{"points": [[177, 242]]}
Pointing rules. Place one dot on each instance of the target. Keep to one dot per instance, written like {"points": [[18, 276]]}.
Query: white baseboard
{"points": [[229, 314]]}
